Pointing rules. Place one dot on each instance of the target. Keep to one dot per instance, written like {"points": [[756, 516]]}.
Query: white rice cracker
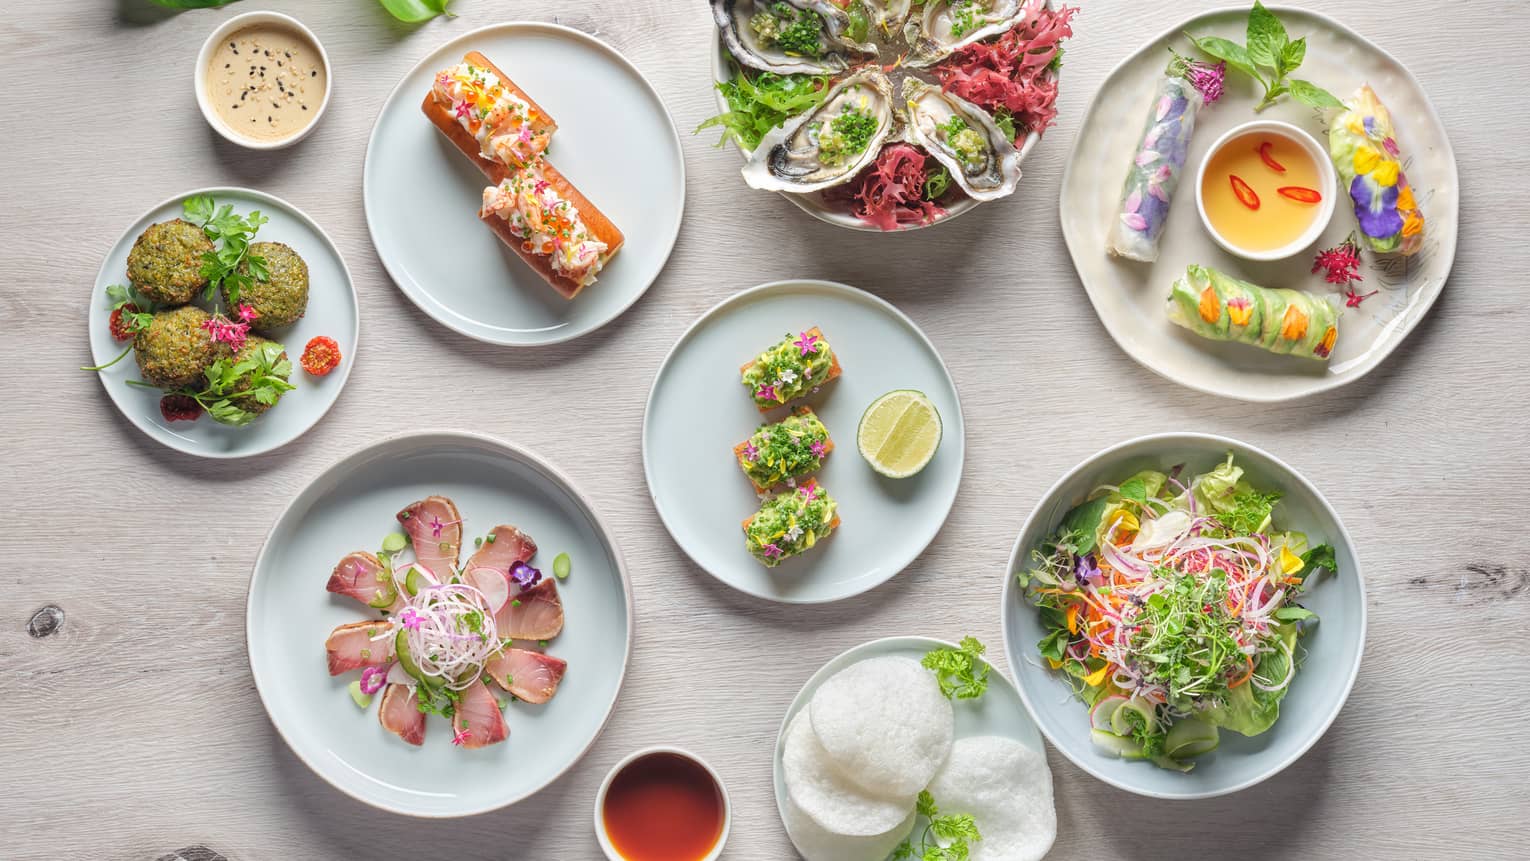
{"points": [[817, 843], [884, 724], [1007, 788], [823, 793]]}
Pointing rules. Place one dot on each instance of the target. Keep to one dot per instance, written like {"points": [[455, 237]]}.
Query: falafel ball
{"points": [[248, 402], [165, 264], [281, 299], [174, 351]]}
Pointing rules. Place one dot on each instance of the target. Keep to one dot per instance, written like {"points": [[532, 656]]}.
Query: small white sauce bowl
{"points": [[605, 786], [1327, 178], [228, 28]]}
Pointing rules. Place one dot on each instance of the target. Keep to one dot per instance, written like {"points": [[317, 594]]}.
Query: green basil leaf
{"points": [[1231, 52], [1313, 95], [415, 11], [1294, 614], [1266, 37], [1294, 54]]}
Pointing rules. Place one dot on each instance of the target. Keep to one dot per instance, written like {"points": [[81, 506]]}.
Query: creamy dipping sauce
{"points": [[266, 81]]}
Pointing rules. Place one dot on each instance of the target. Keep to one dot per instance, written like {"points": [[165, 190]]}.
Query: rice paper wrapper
{"points": [[1223, 308], [1363, 145], [1155, 170]]}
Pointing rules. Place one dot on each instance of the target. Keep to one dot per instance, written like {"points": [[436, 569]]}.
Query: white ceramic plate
{"points": [[615, 142], [1333, 648], [814, 204], [332, 311], [698, 411], [351, 506], [999, 711], [1130, 296]]}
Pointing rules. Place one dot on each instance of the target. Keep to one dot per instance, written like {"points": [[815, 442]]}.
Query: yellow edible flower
{"points": [[1211, 305], [1386, 172], [1096, 678], [1405, 200], [1366, 159], [1290, 563]]}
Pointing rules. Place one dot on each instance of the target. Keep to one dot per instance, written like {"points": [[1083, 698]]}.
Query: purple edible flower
{"points": [[1087, 571], [524, 575]]}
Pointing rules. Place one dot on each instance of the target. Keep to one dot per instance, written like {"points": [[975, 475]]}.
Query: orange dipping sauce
{"points": [[663, 807], [1250, 202]]}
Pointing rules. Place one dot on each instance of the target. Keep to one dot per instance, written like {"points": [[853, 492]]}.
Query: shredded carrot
{"points": [[1072, 616], [1248, 674]]}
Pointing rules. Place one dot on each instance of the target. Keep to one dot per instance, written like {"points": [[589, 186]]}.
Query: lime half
{"points": [[899, 433]]}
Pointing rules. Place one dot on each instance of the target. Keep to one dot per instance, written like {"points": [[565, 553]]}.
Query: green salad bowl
{"points": [[1324, 676]]}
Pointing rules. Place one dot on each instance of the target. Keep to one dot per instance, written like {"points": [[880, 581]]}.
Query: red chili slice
{"points": [[1246, 195], [1300, 194], [1269, 160]]}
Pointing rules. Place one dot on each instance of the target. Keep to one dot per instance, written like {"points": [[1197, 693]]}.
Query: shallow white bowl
{"points": [[1328, 181], [605, 786], [1322, 683], [233, 25]]}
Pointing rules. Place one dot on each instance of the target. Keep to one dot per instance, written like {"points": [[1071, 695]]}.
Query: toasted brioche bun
{"points": [[441, 116], [599, 226]]}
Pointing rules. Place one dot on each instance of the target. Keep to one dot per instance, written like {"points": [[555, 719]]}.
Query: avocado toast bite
{"points": [[792, 448], [792, 368], [790, 524]]}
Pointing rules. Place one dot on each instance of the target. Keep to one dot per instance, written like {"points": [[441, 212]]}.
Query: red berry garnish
{"points": [[321, 356], [119, 327], [179, 408]]}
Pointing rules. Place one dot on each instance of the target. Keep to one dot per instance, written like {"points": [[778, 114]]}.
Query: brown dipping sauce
{"points": [[266, 81], [663, 807]]}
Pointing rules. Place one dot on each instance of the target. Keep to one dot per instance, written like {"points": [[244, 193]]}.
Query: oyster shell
{"points": [[944, 26], [829, 145], [887, 15], [752, 30], [964, 138]]}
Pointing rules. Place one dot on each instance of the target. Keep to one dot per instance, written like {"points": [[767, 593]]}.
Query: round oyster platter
{"points": [[886, 114]]}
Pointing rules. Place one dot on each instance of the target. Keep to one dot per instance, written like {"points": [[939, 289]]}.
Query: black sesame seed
{"points": [[314, 73]]}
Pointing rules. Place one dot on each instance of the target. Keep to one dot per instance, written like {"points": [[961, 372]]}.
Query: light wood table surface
{"points": [[134, 730]]}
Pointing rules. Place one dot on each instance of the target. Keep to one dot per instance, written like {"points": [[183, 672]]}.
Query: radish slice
{"points": [[398, 676], [493, 585], [1104, 710]]}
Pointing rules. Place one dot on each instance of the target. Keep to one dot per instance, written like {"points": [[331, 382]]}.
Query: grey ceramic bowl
{"points": [[1333, 648]]}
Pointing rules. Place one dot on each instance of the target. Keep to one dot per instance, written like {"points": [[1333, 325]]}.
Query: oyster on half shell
{"points": [[964, 138], [945, 26], [886, 15], [789, 36], [829, 145]]}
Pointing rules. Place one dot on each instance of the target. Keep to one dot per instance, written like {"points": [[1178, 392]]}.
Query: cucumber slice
{"points": [[1172, 764], [360, 699], [1120, 721], [1115, 745], [1190, 737], [415, 581], [405, 660], [386, 593], [393, 542]]}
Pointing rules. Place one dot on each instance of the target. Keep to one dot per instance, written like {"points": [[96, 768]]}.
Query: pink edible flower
{"points": [[409, 619], [221, 329], [751, 451], [247, 312], [463, 109], [461, 737], [810, 489], [766, 393], [1353, 299], [1339, 264], [772, 551], [807, 343], [818, 448]]}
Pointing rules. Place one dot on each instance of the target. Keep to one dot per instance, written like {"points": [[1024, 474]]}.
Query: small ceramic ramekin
{"points": [[234, 25], [605, 786], [1327, 177]]}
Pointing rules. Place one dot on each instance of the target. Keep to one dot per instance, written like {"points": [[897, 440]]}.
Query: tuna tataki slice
{"points": [[435, 528], [531, 614], [399, 714], [531, 676], [477, 721], [361, 576], [351, 647]]}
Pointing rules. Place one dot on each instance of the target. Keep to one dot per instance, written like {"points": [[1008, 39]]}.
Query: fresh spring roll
{"points": [[1160, 157], [790, 524], [1363, 146], [792, 448], [1222, 308]]}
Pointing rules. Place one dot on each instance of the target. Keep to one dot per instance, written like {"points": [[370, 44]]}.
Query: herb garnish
{"points": [[1268, 57], [944, 838], [416, 11], [221, 266], [760, 101], [961, 672], [262, 376]]}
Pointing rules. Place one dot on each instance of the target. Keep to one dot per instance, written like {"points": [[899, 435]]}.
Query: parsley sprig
{"points": [[262, 376], [944, 838], [961, 672], [1269, 56], [221, 266]]}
